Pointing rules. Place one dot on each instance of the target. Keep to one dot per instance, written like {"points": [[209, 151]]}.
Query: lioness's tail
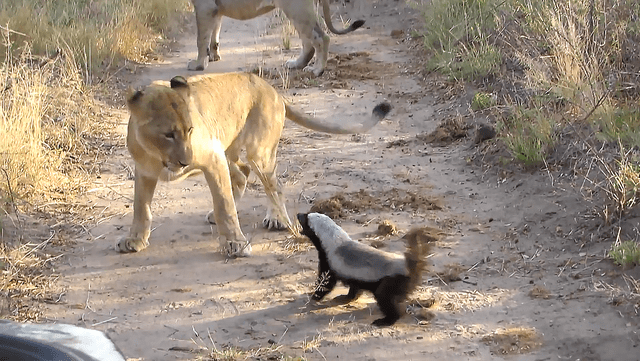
{"points": [[326, 12], [313, 123]]}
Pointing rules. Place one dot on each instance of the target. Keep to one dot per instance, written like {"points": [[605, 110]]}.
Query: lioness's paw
{"points": [[130, 245], [237, 249], [293, 64], [316, 72], [210, 217], [273, 224], [196, 65]]}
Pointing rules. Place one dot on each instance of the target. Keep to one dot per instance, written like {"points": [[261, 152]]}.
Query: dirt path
{"points": [[514, 272]]}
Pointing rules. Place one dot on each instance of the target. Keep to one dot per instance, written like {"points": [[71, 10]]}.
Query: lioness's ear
{"points": [[179, 84], [133, 96]]}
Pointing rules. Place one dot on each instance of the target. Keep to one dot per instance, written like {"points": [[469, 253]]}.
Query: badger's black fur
{"points": [[389, 276]]}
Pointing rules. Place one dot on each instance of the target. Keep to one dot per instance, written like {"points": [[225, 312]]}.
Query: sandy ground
{"points": [[514, 275]]}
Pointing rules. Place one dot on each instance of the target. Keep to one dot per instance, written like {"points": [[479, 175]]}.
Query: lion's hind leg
{"points": [[208, 22], [314, 40], [277, 217]]}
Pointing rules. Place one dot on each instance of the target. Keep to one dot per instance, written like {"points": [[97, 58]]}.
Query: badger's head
{"points": [[322, 231], [303, 218], [307, 229]]}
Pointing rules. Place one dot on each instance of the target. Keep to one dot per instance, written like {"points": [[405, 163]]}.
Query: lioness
{"points": [[209, 15], [200, 125]]}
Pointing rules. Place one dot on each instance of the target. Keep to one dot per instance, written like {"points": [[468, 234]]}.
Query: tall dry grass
{"points": [[99, 33], [576, 48], [48, 117]]}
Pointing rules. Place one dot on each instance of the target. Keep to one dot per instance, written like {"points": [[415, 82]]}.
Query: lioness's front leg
{"points": [[138, 238], [231, 239]]}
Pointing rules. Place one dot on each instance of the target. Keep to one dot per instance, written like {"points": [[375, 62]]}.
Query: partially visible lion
{"points": [[200, 125], [209, 15]]}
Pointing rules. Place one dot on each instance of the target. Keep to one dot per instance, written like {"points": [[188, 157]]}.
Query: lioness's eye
{"points": [[190, 130], [169, 135]]}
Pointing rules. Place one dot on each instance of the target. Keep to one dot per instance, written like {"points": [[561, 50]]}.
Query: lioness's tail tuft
{"points": [[340, 126], [326, 12], [381, 110], [355, 25]]}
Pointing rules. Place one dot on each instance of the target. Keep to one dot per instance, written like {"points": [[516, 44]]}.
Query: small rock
{"points": [[397, 33], [484, 132]]}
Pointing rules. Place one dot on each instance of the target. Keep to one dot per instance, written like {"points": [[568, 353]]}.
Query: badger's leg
{"points": [[354, 292], [326, 280], [388, 293]]}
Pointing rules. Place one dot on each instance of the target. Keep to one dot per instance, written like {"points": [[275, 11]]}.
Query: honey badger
{"points": [[389, 276]]}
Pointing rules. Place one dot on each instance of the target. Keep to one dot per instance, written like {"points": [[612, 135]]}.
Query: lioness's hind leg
{"points": [[207, 21], [214, 47], [277, 217], [306, 54], [314, 40], [320, 42]]}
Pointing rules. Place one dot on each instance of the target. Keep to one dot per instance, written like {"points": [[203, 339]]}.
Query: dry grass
{"points": [[513, 340], [27, 276], [459, 301], [566, 81], [50, 125], [100, 33], [208, 350]]}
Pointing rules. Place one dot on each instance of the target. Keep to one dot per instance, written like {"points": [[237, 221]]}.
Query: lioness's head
{"points": [[161, 122]]}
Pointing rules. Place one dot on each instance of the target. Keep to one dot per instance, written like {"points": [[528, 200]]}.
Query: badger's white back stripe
{"points": [[329, 233], [351, 259]]}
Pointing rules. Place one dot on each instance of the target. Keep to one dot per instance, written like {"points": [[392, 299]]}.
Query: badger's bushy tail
{"points": [[419, 244]]}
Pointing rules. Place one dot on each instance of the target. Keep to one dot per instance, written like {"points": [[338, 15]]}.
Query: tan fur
{"points": [[209, 15], [201, 125]]}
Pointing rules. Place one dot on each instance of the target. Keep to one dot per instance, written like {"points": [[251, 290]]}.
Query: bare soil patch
{"points": [[340, 205]]}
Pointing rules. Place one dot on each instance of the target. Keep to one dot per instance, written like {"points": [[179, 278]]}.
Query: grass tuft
{"points": [[625, 254], [482, 101], [529, 134]]}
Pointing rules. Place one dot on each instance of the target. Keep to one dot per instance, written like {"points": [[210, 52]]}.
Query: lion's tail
{"points": [[327, 19], [418, 247], [344, 127]]}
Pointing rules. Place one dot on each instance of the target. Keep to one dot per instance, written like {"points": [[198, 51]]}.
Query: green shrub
{"points": [[482, 101], [458, 33], [529, 135], [625, 254]]}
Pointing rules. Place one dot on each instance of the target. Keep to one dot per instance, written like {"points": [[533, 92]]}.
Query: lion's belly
{"points": [[245, 9]]}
